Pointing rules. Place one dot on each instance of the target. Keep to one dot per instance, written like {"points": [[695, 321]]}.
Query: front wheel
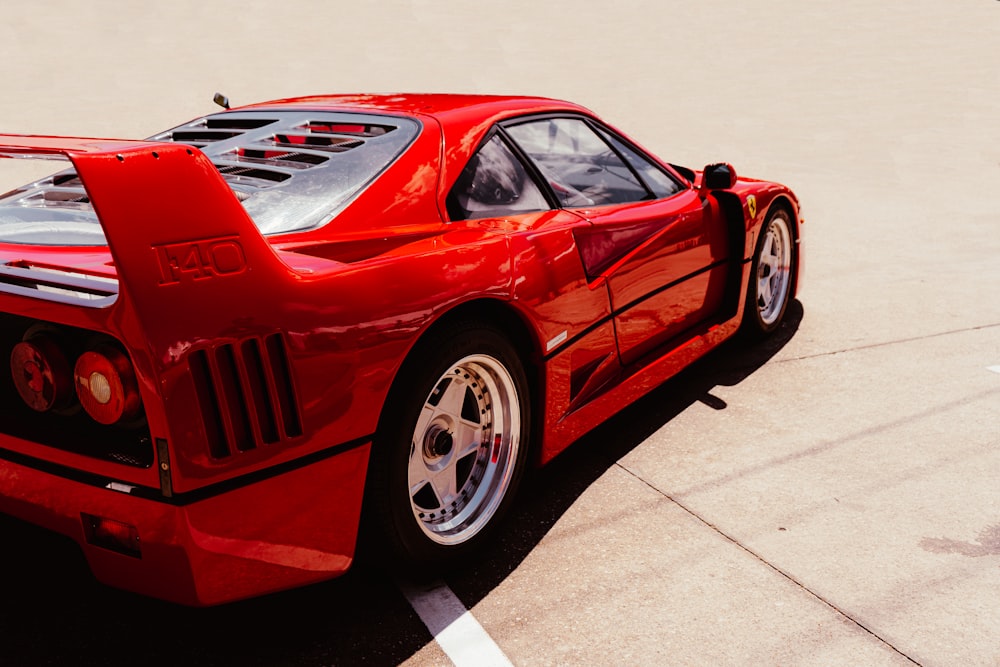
{"points": [[770, 285], [452, 446]]}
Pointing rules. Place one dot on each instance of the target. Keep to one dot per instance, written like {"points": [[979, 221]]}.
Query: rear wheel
{"points": [[452, 446], [770, 285]]}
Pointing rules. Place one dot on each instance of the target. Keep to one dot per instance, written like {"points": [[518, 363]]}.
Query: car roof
{"points": [[443, 106]]}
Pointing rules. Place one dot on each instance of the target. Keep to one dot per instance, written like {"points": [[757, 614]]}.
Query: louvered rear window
{"points": [[292, 170]]}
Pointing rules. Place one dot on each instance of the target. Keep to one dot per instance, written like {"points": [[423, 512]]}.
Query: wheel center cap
{"points": [[441, 443]]}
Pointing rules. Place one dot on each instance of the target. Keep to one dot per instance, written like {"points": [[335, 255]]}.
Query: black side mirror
{"points": [[719, 176]]}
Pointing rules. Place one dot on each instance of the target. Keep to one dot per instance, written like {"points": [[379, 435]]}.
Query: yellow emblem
{"points": [[752, 205]]}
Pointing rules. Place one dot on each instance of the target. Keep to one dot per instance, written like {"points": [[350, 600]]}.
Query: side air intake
{"points": [[246, 394]]}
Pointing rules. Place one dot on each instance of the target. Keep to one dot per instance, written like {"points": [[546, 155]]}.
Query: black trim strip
{"points": [[615, 313], [228, 485], [58, 469], [189, 497], [663, 288]]}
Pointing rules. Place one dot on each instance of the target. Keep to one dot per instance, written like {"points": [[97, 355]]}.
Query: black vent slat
{"points": [[355, 129], [284, 389], [67, 180], [235, 123], [239, 173], [69, 195], [55, 198], [263, 405], [230, 389], [246, 395], [62, 190], [203, 136], [326, 143], [289, 159], [208, 400]]}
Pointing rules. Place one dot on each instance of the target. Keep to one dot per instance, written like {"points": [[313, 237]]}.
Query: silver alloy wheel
{"points": [[464, 449], [774, 269]]}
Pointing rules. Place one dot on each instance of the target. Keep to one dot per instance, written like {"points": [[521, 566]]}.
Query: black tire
{"points": [[771, 274], [451, 449]]}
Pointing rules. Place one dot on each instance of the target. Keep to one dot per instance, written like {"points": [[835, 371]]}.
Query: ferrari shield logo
{"points": [[752, 205]]}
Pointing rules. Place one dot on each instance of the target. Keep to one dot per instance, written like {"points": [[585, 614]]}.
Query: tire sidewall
{"points": [[753, 323], [390, 457]]}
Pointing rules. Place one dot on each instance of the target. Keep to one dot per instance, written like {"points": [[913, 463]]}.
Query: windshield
{"points": [[292, 171]]}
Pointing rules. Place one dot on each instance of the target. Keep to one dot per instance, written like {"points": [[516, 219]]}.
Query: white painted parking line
{"points": [[995, 369], [454, 627]]}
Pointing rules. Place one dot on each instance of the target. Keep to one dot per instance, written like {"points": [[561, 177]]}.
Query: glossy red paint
{"points": [[308, 332], [257, 538]]}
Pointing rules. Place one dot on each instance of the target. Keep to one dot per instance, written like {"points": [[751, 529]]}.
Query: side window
{"points": [[578, 164], [658, 181], [494, 183]]}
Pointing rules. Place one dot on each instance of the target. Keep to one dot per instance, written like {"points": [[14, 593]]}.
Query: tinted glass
{"points": [[493, 184], [579, 165], [656, 179]]}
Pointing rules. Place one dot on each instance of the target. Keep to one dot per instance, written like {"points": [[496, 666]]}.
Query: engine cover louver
{"points": [[276, 149], [292, 169]]}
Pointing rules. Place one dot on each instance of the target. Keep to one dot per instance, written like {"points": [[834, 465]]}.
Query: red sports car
{"points": [[228, 341]]}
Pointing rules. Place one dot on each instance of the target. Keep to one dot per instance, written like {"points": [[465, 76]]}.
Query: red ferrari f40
{"points": [[229, 342]]}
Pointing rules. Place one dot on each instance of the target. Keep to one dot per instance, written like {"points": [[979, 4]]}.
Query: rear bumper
{"points": [[235, 540]]}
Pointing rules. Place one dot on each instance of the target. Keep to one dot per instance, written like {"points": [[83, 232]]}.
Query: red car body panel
{"points": [[308, 330]]}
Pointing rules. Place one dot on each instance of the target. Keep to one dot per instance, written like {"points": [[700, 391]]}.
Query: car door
{"points": [[498, 189], [652, 238]]}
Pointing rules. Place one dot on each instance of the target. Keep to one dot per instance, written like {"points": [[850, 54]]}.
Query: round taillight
{"points": [[41, 373], [106, 385]]}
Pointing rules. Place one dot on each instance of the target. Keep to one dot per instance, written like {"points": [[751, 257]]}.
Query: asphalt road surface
{"points": [[828, 497]]}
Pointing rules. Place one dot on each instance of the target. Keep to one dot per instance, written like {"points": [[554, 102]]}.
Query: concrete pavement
{"points": [[828, 498]]}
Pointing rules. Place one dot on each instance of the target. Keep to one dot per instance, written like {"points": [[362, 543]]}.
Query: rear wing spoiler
{"points": [[182, 244]]}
